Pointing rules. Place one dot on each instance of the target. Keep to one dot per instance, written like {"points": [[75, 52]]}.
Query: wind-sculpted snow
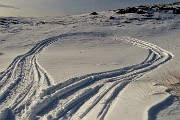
{"points": [[27, 91]]}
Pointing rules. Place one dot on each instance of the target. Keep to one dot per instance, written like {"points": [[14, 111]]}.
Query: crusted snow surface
{"points": [[81, 74]]}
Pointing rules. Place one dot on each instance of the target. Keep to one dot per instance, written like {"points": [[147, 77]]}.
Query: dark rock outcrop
{"points": [[111, 18], [94, 13], [141, 11], [131, 10], [176, 11], [121, 11]]}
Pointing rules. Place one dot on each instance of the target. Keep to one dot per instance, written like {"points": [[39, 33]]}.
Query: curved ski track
{"points": [[28, 92]]}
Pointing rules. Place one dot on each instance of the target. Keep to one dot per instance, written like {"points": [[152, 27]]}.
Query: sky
{"points": [[65, 7]]}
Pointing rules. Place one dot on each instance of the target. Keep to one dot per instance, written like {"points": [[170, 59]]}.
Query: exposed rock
{"points": [[176, 11], [176, 3], [141, 11], [127, 21], [131, 10], [94, 13], [166, 8], [143, 7], [121, 11], [111, 17], [2, 21], [42, 22], [154, 6], [14, 22], [127, 10]]}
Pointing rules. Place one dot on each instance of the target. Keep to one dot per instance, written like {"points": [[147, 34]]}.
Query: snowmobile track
{"points": [[27, 91]]}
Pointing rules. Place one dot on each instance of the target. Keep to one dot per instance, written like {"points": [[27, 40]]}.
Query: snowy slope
{"points": [[91, 66]]}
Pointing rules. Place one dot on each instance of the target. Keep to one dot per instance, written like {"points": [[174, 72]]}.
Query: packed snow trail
{"points": [[27, 91]]}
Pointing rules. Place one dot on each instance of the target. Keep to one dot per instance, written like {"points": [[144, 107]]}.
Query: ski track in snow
{"points": [[27, 91]]}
